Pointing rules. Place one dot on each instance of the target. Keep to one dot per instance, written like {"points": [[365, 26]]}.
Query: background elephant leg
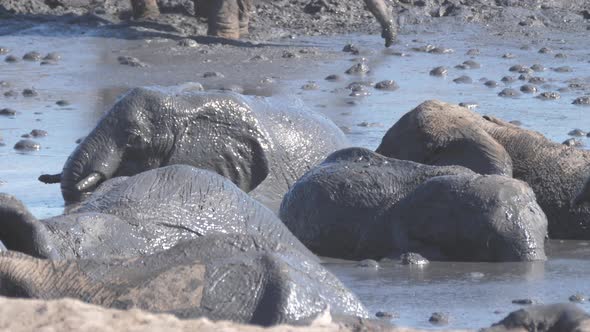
{"points": [[224, 19], [245, 7], [379, 9], [145, 8]]}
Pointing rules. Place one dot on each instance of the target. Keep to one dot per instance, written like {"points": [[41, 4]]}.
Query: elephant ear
{"points": [[21, 231]]}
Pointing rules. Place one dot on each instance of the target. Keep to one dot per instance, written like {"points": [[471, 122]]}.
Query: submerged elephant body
{"points": [[143, 214], [439, 133], [242, 278], [258, 143], [358, 204]]}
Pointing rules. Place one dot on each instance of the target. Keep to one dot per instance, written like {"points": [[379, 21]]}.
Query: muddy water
{"points": [[90, 79]]}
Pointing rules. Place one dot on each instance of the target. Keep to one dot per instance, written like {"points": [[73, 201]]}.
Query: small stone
{"points": [[509, 56], [491, 84], [386, 315], [439, 71], [517, 68], [560, 56], [30, 93], [389, 85], [508, 79], [259, 57], [526, 70], [10, 93], [523, 301], [461, 67], [441, 50], [469, 105], [473, 51], [131, 61], [412, 258], [545, 50], [4, 50], [213, 74], [187, 42], [231, 87], [538, 67], [310, 86], [52, 56], [62, 103], [368, 124], [289, 55], [368, 263], [537, 80], [47, 62], [4, 84], [350, 48], [333, 78], [516, 122], [528, 88], [425, 48], [362, 92], [38, 133], [472, 64], [359, 68], [358, 85], [32, 56], [563, 69], [549, 95], [509, 93], [7, 112], [11, 58], [577, 132], [524, 77], [267, 80], [439, 318], [578, 298], [27, 145], [584, 100], [573, 142]]}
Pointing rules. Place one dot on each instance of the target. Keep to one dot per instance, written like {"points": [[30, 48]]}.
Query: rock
{"points": [[310, 86], [386, 314], [389, 85], [528, 88], [491, 84], [62, 102], [516, 122], [549, 95], [523, 301], [412, 258], [358, 69], [562, 317], [30, 93], [524, 77], [509, 56], [38, 133], [361, 92], [577, 132], [351, 48], [27, 145], [11, 58], [545, 50], [473, 52], [52, 56], [441, 50], [469, 104], [538, 67], [4, 50], [577, 298], [333, 78], [509, 93], [472, 64], [439, 71], [560, 56], [584, 100], [259, 57], [439, 318], [537, 80], [4, 84], [10, 93], [463, 80], [368, 263], [517, 68], [213, 74], [32, 56], [508, 79], [289, 55], [573, 142], [7, 112], [563, 69], [187, 42], [131, 61], [369, 124]]}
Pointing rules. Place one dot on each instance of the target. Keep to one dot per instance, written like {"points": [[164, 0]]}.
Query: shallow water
{"points": [[90, 78]]}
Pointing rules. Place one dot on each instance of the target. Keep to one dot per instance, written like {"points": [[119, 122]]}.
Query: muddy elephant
{"points": [[230, 18], [358, 204], [140, 215], [238, 277], [438, 133], [263, 145], [562, 317]]}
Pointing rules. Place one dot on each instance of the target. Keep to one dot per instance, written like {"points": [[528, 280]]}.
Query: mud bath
{"points": [[74, 92]]}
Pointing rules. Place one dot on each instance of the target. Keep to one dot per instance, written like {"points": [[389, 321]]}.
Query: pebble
{"points": [[7, 112], [131, 61], [32, 56], [549, 95], [462, 67], [545, 50], [538, 67], [472, 64], [441, 50], [52, 56], [289, 55], [509, 56], [386, 315], [62, 102], [369, 124], [517, 68], [359, 68], [333, 78], [412, 258], [30, 93], [508, 79], [4, 84], [439, 318], [524, 77], [523, 301], [439, 71], [38, 133], [537, 80], [4, 50], [187, 42], [11, 58], [259, 57], [578, 298], [560, 56], [351, 48], [469, 105], [573, 142], [368, 263], [10, 93], [389, 85], [528, 88], [491, 84], [362, 92], [473, 51], [516, 122], [310, 86], [563, 69], [509, 93], [584, 100], [27, 145], [577, 132], [212, 74]]}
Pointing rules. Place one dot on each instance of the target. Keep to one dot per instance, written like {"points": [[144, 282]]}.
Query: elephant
{"points": [[239, 277], [139, 215], [262, 144], [358, 204], [562, 317], [230, 18], [439, 133]]}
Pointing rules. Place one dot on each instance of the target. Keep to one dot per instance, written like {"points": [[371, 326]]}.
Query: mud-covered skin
{"points": [[242, 278], [556, 173], [358, 204], [562, 317], [140, 215], [261, 144]]}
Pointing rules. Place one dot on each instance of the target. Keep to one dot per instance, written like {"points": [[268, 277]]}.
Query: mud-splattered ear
{"points": [[584, 195], [21, 231]]}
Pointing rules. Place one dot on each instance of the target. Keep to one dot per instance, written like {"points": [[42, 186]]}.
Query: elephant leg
{"points": [[224, 19], [245, 7], [379, 9], [145, 9]]}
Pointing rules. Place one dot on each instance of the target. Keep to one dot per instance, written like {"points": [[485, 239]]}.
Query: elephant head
{"points": [[150, 127]]}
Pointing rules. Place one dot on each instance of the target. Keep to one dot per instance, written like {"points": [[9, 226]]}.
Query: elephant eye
{"points": [[135, 141]]}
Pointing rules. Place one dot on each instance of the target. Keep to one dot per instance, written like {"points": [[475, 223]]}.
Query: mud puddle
{"points": [[89, 77]]}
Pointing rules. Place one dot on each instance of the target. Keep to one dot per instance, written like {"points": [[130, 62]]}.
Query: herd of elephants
{"points": [[215, 204]]}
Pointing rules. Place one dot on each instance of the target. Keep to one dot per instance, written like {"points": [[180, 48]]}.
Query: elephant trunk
{"points": [[95, 160]]}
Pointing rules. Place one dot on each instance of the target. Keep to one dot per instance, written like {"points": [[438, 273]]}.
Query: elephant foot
{"points": [[389, 33], [145, 9], [229, 19]]}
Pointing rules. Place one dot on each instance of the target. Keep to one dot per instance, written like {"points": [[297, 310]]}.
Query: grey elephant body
{"points": [[358, 204], [140, 215], [237, 277], [436, 131], [258, 143]]}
